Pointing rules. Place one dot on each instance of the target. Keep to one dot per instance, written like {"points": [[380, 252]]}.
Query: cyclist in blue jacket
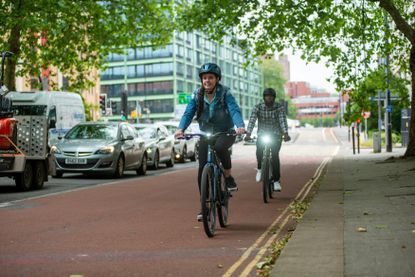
{"points": [[216, 111]]}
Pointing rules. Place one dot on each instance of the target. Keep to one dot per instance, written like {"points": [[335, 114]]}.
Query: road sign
{"points": [[184, 98], [389, 108], [366, 114]]}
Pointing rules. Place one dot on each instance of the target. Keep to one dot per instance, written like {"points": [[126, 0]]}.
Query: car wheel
{"points": [[156, 161], [58, 174], [24, 180], [170, 163], [142, 170], [119, 169], [39, 174], [195, 154]]}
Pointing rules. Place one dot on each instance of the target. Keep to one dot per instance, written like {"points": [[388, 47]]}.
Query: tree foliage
{"points": [[350, 34], [75, 37], [273, 76]]}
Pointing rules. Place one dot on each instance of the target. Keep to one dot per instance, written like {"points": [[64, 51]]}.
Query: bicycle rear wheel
{"points": [[207, 201], [265, 179], [223, 205]]}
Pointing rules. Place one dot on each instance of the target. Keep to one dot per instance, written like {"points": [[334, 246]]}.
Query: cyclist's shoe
{"points": [[230, 184], [258, 175], [277, 186], [199, 216]]}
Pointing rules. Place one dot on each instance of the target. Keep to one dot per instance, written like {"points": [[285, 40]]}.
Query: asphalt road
{"points": [[146, 226]]}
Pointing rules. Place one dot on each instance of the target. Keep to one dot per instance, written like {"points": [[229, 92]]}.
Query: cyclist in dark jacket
{"points": [[273, 121], [216, 111]]}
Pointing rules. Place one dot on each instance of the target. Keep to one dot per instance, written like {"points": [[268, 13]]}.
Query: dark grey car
{"points": [[104, 147]]}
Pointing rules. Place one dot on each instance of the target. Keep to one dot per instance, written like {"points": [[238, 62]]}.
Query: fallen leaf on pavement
{"points": [[220, 265], [361, 229]]}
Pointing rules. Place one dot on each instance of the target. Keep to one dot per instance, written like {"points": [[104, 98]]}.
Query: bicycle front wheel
{"points": [[265, 179], [207, 201]]}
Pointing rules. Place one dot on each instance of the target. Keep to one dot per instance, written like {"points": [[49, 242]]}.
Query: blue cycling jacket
{"points": [[221, 115]]}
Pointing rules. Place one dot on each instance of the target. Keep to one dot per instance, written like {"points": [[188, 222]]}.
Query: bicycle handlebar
{"points": [[206, 135]]}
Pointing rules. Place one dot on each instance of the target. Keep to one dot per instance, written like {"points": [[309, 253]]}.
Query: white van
{"points": [[63, 109]]}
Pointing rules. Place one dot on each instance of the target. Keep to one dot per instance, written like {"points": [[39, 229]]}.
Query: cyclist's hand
{"points": [[287, 137], [240, 131], [247, 137], [179, 133]]}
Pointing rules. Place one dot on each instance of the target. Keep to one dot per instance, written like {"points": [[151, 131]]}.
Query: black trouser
{"points": [[275, 145], [221, 147]]}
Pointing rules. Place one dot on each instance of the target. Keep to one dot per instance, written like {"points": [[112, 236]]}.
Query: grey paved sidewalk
{"points": [[361, 222]]}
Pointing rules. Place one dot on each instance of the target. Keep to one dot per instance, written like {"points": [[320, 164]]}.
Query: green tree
{"points": [[273, 76], [76, 36], [350, 34]]}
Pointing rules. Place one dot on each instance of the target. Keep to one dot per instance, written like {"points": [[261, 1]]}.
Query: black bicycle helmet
{"points": [[210, 68], [269, 91]]}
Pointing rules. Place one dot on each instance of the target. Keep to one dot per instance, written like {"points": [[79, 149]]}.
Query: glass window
{"points": [[160, 106], [130, 54], [139, 53], [179, 69], [140, 71], [179, 86], [131, 71], [189, 71], [93, 131]]}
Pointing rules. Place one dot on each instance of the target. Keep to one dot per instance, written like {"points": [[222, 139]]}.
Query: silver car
{"points": [[159, 144], [184, 148], [104, 147]]}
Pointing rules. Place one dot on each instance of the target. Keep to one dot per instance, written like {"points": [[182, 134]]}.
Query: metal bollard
{"points": [[377, 147]]}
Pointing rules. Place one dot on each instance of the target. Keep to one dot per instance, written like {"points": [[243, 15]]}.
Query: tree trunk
{"points": [[410, 150], [14, 47]]}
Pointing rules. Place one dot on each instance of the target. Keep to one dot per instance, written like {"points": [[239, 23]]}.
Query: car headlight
{"points": [[266, 139], [54, 149], [106, 150]]}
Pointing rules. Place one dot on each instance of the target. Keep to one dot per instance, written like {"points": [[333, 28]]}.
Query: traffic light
{"points": [[113, 106], [124, 103], [103, 103]]}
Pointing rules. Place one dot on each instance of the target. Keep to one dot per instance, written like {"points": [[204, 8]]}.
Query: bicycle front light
{"points": [[266, 139], [208, 135]]}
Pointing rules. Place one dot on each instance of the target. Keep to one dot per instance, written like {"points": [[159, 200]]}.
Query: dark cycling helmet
{"points": [[210, 68], [269, 91]]}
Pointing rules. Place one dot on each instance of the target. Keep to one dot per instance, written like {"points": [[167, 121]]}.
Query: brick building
{"points": [[310, 102]]}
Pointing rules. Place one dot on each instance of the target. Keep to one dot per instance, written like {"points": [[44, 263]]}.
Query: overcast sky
{"points": [[314, 74]]}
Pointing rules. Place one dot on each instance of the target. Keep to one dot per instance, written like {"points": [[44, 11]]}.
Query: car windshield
{"points": [[29, 110], [172, 129], [98, 131], [147, 132]]}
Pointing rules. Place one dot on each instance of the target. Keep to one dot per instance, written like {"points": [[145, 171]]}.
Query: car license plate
{"points": [[75, 161]]}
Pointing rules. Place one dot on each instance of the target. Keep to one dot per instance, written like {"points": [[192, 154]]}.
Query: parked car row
{"points": [[113, 147]]}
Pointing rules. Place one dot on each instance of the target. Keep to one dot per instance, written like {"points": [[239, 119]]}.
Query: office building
{"points": [[159, 82]]}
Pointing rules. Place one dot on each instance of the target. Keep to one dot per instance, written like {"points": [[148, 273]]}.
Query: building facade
{"points": [[159, 82], [312, 103]]}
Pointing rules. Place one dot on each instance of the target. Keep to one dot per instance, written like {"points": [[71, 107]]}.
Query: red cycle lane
{"points": [[143, 227]]}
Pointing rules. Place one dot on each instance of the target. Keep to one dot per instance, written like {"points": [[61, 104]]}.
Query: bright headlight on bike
{"points": [[266, 139], [208, 135]]}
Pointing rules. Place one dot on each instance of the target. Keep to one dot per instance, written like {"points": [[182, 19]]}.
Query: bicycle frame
{"points": [[214, 197]]}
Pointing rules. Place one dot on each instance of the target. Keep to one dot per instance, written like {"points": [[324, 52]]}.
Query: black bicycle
{"points": [[266, 172], [214, 196]]}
